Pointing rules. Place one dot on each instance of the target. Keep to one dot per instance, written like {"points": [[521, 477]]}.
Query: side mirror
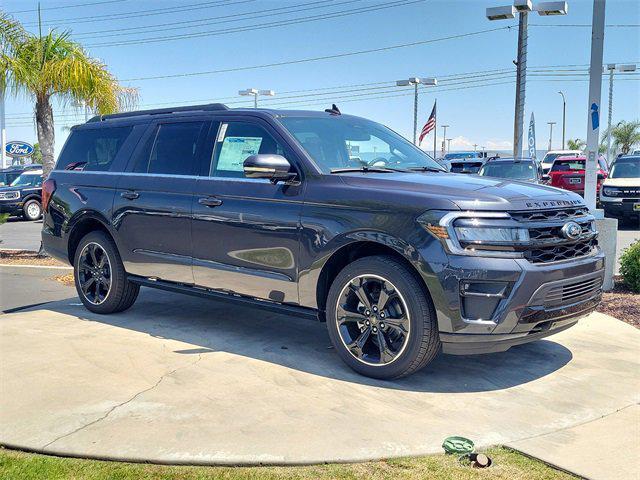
{"points": [[546, 178], [269, 166], [601, 176]]}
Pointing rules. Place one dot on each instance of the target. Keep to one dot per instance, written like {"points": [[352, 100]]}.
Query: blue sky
{"points": [[473, 96]]}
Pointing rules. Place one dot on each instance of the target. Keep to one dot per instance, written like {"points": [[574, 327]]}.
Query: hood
{"points": [[7, 188], [622, 182], [467, 192]]}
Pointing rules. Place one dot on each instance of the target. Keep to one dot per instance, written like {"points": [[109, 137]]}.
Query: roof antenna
{"points": [[334, 110]]}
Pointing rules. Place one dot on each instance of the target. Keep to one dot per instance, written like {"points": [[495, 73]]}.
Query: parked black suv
{"points": [[324, 215], [23, 196]]}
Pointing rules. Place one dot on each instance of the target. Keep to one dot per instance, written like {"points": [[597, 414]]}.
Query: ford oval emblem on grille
{"points": [[571, 230]]}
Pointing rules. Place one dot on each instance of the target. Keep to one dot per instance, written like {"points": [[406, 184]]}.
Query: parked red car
{"points": [[568, 173]]}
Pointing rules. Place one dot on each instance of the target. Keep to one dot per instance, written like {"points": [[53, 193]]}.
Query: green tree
{"points": [[625, 135], [36, 156], [55, 66], [575, 144]]}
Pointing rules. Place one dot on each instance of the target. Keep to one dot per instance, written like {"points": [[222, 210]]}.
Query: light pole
{"points": [[3, 130], [621, 68], [415, 81], [475, 147], [444, 136], [593, 107], [254, 92], [564, 113], [551, 124], [523, 7], [449, 144]]}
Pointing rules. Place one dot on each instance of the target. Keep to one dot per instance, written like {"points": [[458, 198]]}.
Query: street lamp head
{"points": [[501, 13], [552, 8], [403, 83], [523, 5], [268, 93], [627, 68], [248, 92], [430, 82]]}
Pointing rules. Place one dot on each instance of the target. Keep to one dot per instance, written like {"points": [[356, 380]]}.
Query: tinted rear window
{"points": [[92, 149]]}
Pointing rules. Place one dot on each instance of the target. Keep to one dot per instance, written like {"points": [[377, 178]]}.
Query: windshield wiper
{"points": [[363, 169], [426, 169]]}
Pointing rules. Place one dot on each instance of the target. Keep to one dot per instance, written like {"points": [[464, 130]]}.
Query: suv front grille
{"points": [[557, 253], [546, 215], [9, 195]]}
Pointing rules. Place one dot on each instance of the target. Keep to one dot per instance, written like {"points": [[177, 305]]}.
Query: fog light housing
{"points": [[479, 299]]}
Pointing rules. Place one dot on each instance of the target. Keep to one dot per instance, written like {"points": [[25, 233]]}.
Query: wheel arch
{"points": [[341, 257], [82, 224]]}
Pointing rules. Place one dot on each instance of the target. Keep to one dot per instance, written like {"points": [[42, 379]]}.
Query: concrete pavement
{"points": [[185, 380], [605, 448]]}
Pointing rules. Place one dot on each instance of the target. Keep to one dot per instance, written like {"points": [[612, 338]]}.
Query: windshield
{"points": [[627, 168], [27, 180], [346, 142], [514, 170], [455, 156]]}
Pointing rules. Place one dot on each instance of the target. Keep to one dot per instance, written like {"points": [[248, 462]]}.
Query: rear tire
{"points": [[380, 318], [32, 210], [100, 278]]}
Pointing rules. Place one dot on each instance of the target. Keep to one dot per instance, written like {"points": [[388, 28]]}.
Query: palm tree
{"points": [[575, 144], [54, 65], [625, 135]]}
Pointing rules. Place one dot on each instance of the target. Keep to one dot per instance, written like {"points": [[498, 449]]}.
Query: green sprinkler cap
{"points": [[458, 445]]}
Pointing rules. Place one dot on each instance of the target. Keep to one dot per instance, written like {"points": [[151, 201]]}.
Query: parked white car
{"points": [[551, 155], [620, 194]]}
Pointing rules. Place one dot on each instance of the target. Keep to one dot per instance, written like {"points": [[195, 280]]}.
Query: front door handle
{"points": [[210, 202], [130, 195]]}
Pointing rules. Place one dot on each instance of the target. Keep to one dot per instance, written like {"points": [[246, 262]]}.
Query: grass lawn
{"points": [[507, 465]]}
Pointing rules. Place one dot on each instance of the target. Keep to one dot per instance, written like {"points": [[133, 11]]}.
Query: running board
{"points": [[289, 309]]}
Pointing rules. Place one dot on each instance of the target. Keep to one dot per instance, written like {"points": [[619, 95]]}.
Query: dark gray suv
{"points": [[323, 215]]}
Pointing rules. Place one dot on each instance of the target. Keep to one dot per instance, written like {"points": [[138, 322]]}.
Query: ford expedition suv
{"points": [[401, 259], [23, 196]]}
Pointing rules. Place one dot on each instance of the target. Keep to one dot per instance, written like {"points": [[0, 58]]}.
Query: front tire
{"points": [[32, 210], [100, 278], [380, 318]]}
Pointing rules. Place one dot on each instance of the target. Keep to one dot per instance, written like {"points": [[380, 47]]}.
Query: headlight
{"points": [[610, 192], [492, 235]]}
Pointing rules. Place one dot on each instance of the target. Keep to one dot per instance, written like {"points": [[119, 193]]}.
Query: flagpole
{"points": [[435, 128]]}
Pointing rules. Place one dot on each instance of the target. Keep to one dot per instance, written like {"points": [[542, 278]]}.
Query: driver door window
{"points": [[235, 142]]}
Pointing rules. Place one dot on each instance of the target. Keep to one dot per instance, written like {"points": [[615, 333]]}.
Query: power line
{"points": [[208, 21], [138, 13], [91, 4], [259, 26], [315, 59]]}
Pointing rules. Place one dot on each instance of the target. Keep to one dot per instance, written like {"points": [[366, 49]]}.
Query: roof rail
{"points": [[159, 111]]}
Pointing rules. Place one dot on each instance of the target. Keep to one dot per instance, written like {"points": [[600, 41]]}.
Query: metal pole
{"points": [[564, 117], [593, 111], [435, 130], [612, 67], [415, 115], [551, 124], [521, 80], [255, 100], [4, 131]]}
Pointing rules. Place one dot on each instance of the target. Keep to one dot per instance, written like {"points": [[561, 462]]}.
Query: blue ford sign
{"points": [[18, 149]]}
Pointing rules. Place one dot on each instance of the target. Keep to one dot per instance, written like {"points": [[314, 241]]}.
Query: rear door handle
{"points": [[210, 202], [130, 195]]}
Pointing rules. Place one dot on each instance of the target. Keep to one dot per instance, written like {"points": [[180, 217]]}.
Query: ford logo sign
{"points": [[571, 230], [18, 149]]}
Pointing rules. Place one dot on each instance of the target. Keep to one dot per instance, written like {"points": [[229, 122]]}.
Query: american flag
{"points": [[430, 125]]}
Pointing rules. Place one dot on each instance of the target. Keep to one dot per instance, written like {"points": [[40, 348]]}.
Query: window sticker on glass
{"points": [[235, 151]]}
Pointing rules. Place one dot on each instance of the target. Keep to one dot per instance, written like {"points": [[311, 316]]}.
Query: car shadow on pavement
{"points": [[303, 345]]}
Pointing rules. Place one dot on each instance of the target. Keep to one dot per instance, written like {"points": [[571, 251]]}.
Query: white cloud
{"points": [[498, 144]]}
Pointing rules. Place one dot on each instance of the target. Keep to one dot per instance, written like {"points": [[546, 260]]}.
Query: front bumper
{"points": [[537, 300], [621, 208], [10, 207]]}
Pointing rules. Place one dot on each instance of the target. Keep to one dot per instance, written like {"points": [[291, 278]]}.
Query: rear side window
{"points": [[171, 149], [92, 149]]}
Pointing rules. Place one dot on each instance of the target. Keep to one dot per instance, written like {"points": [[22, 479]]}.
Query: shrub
{"points": [[630, 267]]}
